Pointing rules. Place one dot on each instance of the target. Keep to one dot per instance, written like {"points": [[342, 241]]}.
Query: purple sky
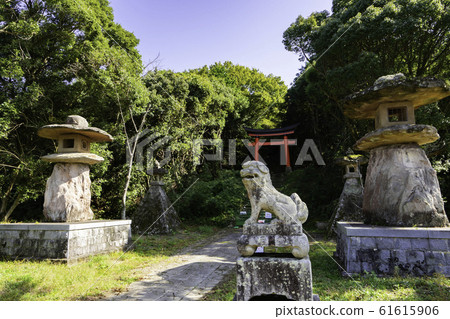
{"points": [[191, 34]]}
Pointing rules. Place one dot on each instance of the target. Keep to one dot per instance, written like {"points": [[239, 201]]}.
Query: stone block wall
{"points": [[63, 241], [393, 250]]}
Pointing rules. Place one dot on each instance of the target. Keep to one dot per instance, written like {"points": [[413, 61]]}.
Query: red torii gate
{"points": [[284, 131]]}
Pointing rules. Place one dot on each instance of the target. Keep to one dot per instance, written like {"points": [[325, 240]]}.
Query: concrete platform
{"points": [[66, 242], [415, 251]]}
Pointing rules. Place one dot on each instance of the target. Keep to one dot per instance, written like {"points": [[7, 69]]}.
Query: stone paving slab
{"points": [[188, 276]]}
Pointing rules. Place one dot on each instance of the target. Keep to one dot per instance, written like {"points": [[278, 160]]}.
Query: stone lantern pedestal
{"points": [[401, 189], [70, 234]]}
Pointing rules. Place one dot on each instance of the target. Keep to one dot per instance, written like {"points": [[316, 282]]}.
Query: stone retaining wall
{"points": [[63, 241], [393, 250]]}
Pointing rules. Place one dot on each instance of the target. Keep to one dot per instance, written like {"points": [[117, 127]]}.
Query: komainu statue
{"points": [[284, 234], [256, 178]]}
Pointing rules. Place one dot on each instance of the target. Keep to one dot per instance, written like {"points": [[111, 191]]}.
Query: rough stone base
{"points": [[68, 194], [393, 250], [65, 242], [154, 214], [402, 189], [273, 277]]}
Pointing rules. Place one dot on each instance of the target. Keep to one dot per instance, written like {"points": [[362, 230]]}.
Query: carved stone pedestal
{"points": [[273, 278], [276, 236], [411, 251], [64, 242]]}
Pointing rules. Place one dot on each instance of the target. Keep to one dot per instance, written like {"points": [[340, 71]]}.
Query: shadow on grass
{"points": [[16, 289], [330, 285]]}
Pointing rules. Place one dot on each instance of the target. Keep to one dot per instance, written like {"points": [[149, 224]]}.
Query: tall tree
{"points": [[347, 50], [264, 94], [59, 57], [361, 40]]}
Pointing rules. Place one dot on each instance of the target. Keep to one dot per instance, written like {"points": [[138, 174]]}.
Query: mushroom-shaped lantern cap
{"points": [[351, 159], [395, 88], [75, 124]]}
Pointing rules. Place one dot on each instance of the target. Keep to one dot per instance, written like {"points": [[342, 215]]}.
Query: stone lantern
{"points": [[401, 187], [405, 229], [349, 207], [71, 234], [352, 163], [67, 194]]}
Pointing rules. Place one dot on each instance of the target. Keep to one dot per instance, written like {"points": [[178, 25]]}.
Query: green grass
{"points": [[95, 277], [103, 275], [225, 290], [330, 285]]}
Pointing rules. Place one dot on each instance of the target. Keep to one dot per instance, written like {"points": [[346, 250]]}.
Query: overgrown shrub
{"points": [[318, 187], [213, 199]]}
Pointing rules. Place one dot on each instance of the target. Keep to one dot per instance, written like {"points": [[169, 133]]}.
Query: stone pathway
{"points": [[189, 275]]}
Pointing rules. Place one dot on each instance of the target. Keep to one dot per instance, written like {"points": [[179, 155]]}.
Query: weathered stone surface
{"points": [[80, 158], [67, 242], [155, 214], [273, 277], [298, 245], [402, 188], [418, 91], [256, 178], [387, 79], [74, 124], [288, 237], [274, 228], [68, 195], [349, 207], [398, 134]]}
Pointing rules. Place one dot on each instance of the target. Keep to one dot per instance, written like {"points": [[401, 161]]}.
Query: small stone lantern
{"points": [[67, 194], [349, 207], [352, 163], [401, 187]]}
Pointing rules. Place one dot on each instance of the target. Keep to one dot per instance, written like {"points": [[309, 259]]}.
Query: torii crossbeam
{"points": [[284, 131]]}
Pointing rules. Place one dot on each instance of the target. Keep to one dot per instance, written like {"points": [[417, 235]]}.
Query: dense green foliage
{"points": [[57, 59], [213, 200], [60, 57], [346, 51]]}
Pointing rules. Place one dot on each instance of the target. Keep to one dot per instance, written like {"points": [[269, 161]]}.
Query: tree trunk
{"points": [[13, 206]]}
